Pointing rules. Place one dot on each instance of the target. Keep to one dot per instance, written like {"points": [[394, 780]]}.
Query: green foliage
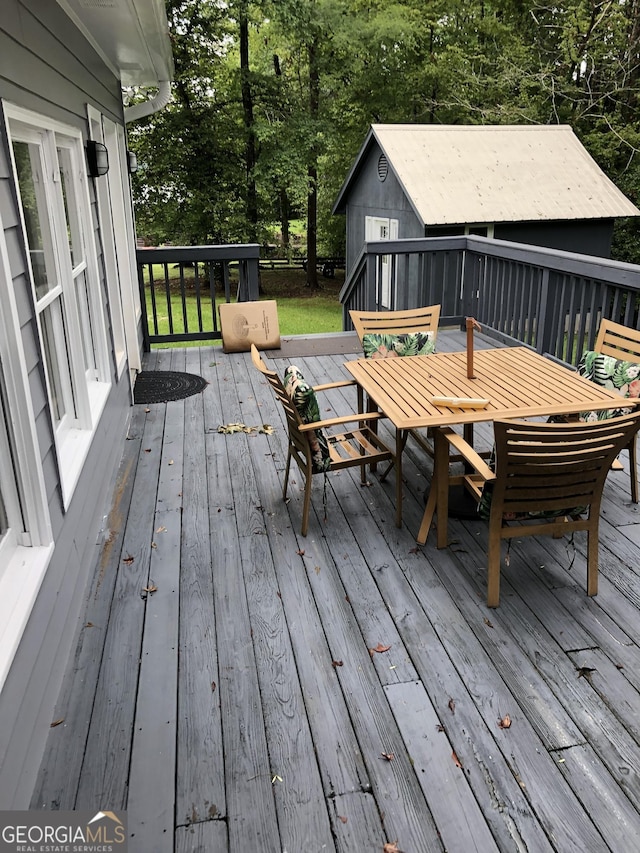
{"points": [[428, 61]]}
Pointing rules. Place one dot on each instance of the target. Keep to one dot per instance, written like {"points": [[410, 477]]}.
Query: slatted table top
{"points": [[517, 382]]}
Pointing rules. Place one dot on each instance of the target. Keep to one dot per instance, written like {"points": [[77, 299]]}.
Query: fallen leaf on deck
{"points": [[57, 722], [391, 847], [128, 560], [300, 551], [380, 648], [388, 755], [585, 672], [276, 779], [171, 462], [213, 687], [414, 550], [456, 760], [505, 722], [488, 622], [153, 545], [161, 530], [147, 450], [89, 625], [452, 706], [335, 663], [343, 818], [150, 589]]}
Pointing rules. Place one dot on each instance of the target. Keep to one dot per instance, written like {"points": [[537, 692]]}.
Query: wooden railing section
{"points": [[551, 300], [181, 287]]}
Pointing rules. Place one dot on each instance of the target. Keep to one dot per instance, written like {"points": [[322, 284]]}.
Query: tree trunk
{"points": [[312, 171]]}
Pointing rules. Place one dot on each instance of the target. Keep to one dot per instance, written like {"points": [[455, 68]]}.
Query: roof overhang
{"points": [[131, 36]]}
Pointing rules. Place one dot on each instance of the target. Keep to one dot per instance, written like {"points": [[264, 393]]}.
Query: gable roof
{"points": [[454, 174]]}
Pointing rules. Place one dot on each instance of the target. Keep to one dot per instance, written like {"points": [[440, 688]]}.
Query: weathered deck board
{"points": [[239, 707]]}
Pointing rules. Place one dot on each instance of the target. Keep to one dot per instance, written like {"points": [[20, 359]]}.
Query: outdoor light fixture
{"points": [[132, 162], [97, 158]]}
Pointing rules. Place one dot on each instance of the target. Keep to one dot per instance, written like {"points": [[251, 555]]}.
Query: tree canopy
{"points": [[273, 98]]}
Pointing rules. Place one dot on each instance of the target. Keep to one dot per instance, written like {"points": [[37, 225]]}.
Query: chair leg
{"points": [[493, 564], [306, 504], [592, 561], [286, 476], [633, 467]]}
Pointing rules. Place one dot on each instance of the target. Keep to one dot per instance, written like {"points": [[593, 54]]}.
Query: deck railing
{"points": [[551, 300], [181, 286]]}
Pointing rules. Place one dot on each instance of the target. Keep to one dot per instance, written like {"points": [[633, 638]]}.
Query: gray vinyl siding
{"points": [[48, 67], [370, 196]]}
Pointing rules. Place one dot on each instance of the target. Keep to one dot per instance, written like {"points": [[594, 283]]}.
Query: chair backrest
{"points": [[396, 322], [618, 341], [293, 416], [551, 467]]}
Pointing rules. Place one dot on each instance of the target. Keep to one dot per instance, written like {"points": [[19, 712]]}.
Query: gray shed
{"points": [[526, 183]]}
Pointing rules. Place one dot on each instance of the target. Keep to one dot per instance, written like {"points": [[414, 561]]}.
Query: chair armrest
{"points": [[468, 454], [342, 383], [359, 417]]}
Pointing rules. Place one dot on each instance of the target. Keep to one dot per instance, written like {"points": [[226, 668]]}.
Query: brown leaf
{"points": [[456, 760], [414, 550], [380, 648], [150, 589], [343, 818], [505, 722], [388, 755], [300, 551], [335, 663], [161, 530], [316, 569], [488, 622], [391, 847], [128, 560], [452, 706], [89, 625], [57, 722], [585, 672], [439, 727], [147, 450], [213, 687]]}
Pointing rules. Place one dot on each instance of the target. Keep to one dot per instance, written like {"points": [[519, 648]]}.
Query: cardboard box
{"points": [[246, 323]]}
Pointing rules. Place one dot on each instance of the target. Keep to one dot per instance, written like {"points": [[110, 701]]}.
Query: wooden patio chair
{"points": [[409, 321], [378, 330], [547, 479], [314, 450], [622, 344]]}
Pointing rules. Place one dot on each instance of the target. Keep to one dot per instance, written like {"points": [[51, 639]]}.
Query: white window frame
{"points": [[110, 252], [381, 228], [89, 386], [27, 547], [124, 232]]}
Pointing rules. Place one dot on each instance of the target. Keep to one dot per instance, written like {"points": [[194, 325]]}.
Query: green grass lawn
{"points": [[300, 311]]}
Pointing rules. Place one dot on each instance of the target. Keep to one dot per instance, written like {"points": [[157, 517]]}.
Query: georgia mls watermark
{"points": [[63, 832]]}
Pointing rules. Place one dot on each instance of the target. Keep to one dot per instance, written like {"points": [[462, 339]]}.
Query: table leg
{"points": [[399, 448], [441, 477]]}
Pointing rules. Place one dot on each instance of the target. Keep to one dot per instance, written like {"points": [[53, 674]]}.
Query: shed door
{"points": [[379, 228]]}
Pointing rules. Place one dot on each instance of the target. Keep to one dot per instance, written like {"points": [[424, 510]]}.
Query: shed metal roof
{"points": [[506, 173]]}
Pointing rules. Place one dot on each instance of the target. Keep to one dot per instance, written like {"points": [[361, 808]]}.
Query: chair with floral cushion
{"points": [[615, 363], [392, 334], [314, 450], [545, 478], [385, 334]]}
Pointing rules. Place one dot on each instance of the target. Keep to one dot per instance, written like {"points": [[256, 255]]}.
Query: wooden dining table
{"points": [[509, 382]]}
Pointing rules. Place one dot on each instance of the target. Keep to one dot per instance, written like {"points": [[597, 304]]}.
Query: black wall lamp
{"points": [[97, 158], [132, 162]]}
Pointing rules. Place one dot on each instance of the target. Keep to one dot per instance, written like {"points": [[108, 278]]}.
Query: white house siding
{"points": [[46, 66]]}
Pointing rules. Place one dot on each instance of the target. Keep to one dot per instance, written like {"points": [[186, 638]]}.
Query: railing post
{"points": [[470, 285], [146, 345], [543, 332], [371, 294]]}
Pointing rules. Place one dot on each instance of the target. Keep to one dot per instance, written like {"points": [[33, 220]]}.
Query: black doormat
{"points": [[162, 386]]}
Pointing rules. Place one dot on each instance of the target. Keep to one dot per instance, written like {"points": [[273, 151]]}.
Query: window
{"points": [[25, 532], [51, 179]]}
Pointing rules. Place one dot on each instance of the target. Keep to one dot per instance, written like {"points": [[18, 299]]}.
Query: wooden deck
{"points": [[237, 687]]}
